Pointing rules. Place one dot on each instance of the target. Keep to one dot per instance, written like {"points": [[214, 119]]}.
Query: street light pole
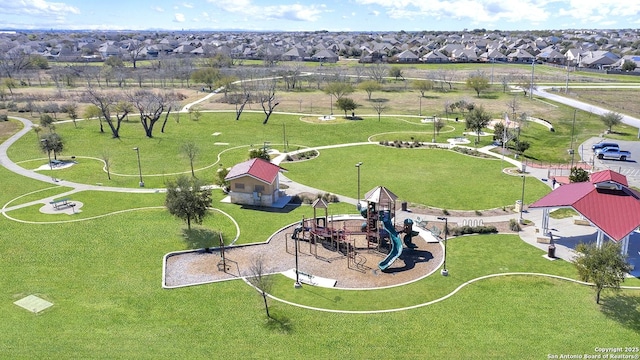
{"points": [[444, 270], [331, 103], [420, 112], [139, 166], [358, 205], [524, 178], [434, 129]]}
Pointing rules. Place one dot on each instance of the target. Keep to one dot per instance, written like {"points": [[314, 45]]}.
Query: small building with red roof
{"points": [[605, 201], [256, 182]]}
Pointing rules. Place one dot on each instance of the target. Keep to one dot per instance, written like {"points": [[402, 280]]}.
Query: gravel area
{"points": [[317, 259]]}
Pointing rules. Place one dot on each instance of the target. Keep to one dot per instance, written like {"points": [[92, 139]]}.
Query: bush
{"points": [[464, 230], [328, 197], [4, 117], [514, 226]]}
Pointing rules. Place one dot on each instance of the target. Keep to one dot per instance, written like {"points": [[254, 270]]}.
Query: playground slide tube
{"points": [[396, 245]]}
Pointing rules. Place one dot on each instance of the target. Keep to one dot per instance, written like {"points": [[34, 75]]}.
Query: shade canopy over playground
{"points": [[605, 201], [380, 195]]}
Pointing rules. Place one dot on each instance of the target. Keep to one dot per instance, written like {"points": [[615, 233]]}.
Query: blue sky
{"points": [[331, 15]]}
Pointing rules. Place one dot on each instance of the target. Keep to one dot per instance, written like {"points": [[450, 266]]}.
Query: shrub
{"points": [[4, 117], [464, 230], [445, 211], [514, 226]]}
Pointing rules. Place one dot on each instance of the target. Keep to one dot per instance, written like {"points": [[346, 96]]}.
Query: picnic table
{"points": [[60, 203]]}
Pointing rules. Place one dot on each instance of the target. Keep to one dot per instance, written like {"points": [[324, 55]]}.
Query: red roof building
{"points": [[256, 182], [605, 201]]}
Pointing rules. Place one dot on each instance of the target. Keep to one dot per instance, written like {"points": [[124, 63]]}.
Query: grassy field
{"points": [[103, 274]]}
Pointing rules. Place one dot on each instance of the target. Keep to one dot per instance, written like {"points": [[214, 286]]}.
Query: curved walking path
{"points": [[527, 235]]}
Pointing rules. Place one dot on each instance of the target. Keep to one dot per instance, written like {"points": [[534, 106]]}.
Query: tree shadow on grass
{"points": [[201, 238], [278, 322], [285, 210], [623, 308]]}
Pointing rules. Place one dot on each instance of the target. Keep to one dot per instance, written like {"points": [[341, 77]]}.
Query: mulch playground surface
{"points": [[319, 259]]}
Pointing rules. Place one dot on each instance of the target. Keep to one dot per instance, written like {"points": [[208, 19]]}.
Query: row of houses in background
{"points": [[589, 49]]}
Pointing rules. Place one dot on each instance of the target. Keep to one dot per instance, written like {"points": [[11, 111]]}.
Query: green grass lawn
{"points": [[432, 177], [104, 275]]}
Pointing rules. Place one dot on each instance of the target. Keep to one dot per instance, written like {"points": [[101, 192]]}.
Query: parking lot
{"points": [[630, 168]]}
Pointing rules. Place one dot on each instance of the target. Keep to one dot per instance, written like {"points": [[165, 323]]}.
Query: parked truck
{"points": [[613, 153]]}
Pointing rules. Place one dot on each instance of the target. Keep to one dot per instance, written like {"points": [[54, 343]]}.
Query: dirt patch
{"points": [[8, 128]]}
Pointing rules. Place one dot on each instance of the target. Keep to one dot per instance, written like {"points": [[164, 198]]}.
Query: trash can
{"points": [[518, 206], [551, 252], [403, 205]]}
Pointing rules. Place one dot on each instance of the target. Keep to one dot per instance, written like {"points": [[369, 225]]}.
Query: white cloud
{"points": [[178, 17], [188, 5], [37, 7], [157, 8], [295, 12]]}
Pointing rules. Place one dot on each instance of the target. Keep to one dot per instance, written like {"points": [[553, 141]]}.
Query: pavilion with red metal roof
{"points": [[605, 201]]}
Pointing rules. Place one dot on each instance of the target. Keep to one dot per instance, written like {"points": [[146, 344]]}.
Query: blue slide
{"points": [[396, 244]]}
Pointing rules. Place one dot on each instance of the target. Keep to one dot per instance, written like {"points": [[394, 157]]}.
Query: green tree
{"points": [[522, 146], [46, 121], [187, 199], [396, 72], [605, 267], [260, 153], [52, 142], [38, 62], [628, 65], [611, 119], [207, 76], [477, 119], [92, 112], [346, 104], [423, 86], [369, 87], [578, 175], [478, 82], [338, 89], [114, 62], [72, 110], [10, 84]]}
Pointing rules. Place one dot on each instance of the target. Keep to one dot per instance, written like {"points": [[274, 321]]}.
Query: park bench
{"points": [[57, 204]]}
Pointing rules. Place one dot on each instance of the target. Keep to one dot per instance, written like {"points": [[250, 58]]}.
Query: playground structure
{"points": [[377, 234]]}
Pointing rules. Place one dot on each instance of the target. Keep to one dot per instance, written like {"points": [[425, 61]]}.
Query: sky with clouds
{"points": [[331, 15]]}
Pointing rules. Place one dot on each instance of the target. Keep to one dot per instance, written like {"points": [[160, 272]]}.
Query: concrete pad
{"points": [[310, 279], [33, 303]]}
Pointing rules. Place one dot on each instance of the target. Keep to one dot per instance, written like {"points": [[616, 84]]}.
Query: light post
{"points": [[139, 167], [420, 112], [444, 270], [331, 103], [434, 129], [46, 145], [533, 68], [358, 205], [297, 284], [573, 127], [524, 178]]}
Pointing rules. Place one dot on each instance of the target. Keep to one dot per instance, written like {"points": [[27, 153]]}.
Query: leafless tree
{"points": [[190, 150], [379, 106], [378, 71], [151, 105], [106, 157], [446, 76], [260, 280], [137, 50], [107, 102], [13, 61], [291, 74], [267, 98]]}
